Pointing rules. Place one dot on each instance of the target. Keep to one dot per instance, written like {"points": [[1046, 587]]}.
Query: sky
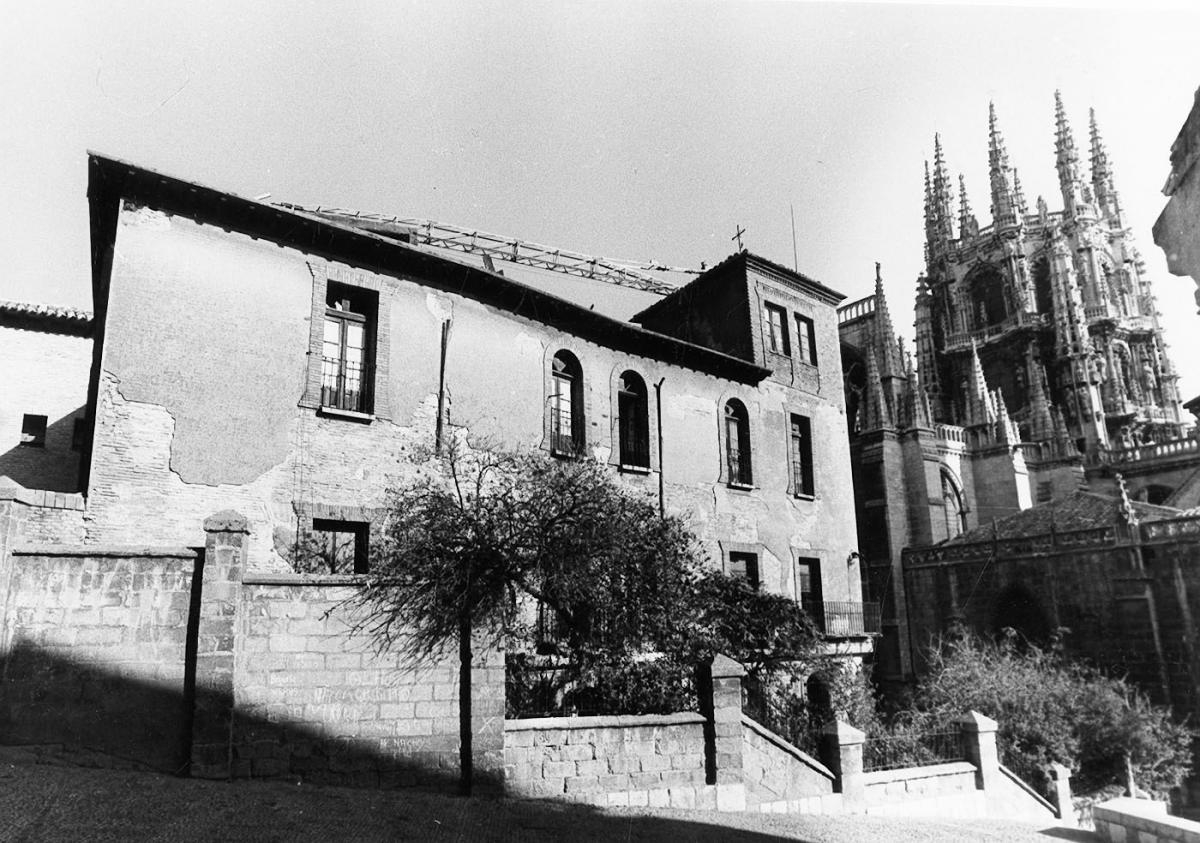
{"points": [[633, 131]]}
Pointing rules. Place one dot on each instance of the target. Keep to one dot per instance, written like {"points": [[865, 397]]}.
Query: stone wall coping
{"points": [[1024, 785], [105, 550], [43, 499], [951, 768], [607, 721], [1146, 815], [792, 750], [294, 578]]}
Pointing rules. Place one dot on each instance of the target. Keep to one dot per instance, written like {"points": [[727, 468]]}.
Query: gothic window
{"points": [[566, 405], [952, 507], [633, 421], [1042, 290], [737, 443], [989, 303]]}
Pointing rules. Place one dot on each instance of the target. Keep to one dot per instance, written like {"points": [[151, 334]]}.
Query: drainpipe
{"points": [[441, 398], [658, 413]]}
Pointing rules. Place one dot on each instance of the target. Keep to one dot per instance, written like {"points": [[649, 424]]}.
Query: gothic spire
{"points": [[885, 333], [1041, 423], [967, 224], [1019, 195], [876, 413], [1004, 205], [1067, 160], [1102, 180], [1006, 431], [981, 408], [942, 195]]}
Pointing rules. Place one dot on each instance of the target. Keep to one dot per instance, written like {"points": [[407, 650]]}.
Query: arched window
{"points": [[952, 507], [566, 405], [987, 297], [737, 443], [633, 420], [1043, 289]]}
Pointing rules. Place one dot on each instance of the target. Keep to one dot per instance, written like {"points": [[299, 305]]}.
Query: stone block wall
{"points": [[93, 652], [780, 778], [940, 790], [314, 701], [655, 760]]}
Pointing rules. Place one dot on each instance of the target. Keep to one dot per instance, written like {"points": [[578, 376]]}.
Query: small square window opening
{"points": [[33, 431]]}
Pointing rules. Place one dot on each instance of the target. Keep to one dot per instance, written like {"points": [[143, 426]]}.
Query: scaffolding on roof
{"points": [[494, 246]]}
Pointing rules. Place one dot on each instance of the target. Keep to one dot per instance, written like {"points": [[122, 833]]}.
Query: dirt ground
{"points": [[53, 802]]}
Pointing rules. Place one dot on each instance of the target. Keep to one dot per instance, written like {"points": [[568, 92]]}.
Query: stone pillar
{"points": [[211, 626], [842, 753], [1060, 793], [979, 746], [727, 729]]}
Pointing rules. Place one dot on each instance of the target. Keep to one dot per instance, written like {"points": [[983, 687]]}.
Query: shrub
{"points": [[1052, 709]]}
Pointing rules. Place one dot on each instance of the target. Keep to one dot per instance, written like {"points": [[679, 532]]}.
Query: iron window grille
{"points": [[803, 483], [566, 406], [633, 421], [345, 353], [737, 444]]}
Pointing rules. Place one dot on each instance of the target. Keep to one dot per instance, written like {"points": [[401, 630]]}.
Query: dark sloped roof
{"points": [[111, 180], [1077, 511], [788, 276]]}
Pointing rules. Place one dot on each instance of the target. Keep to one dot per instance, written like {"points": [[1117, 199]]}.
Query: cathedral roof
{"points": [[1077, 511]]}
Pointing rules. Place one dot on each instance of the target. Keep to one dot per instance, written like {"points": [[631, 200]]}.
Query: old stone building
{"points": [[262, 374], [1040, 369]]}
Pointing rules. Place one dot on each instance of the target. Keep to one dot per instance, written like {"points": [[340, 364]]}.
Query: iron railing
{"points": [[342, 384], [918, 749], [841, 619]]}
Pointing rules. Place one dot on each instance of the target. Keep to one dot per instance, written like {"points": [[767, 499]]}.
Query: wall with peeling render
{"points": [[205, 404]]}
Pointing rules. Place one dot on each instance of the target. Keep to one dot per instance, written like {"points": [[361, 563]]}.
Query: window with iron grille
{"points": [[802, 457], [744, 565], [566, 405], [808, 589], [633, 421], [806, 340], [737, 443], [778, 340], [347, 349]]}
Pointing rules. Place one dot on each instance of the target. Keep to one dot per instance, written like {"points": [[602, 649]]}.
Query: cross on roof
{"points": [[738, 236]]}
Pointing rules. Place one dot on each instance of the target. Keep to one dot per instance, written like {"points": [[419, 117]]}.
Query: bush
{"points": [[1052, 709]]}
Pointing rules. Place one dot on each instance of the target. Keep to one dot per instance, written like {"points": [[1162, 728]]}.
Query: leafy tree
{"points": [[478, 535], [1052, 709]]}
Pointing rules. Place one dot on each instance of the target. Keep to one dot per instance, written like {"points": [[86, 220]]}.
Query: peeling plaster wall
{"points": [[204, 377], [204, 324]]}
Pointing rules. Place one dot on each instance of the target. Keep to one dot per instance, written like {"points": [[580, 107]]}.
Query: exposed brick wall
{"points": [[314, 702], [780, 778], [655, 760], [93, 650]]}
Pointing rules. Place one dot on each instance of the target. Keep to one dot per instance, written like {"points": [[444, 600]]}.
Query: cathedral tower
{"points": [[1054, 304]]}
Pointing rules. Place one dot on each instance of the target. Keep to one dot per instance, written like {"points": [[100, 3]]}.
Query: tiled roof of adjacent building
{"points": [[1077, 511], [46, 317]]}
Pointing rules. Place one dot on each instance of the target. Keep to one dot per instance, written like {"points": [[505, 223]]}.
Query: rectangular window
{"points": [[806, 340], [802, 457], [33, 431], [335, 547], [808, 589], [744, 565], [778, 340], [347, 349]]}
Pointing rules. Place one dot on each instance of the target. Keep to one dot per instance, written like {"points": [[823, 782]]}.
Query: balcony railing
{"points": [[844, 620]]}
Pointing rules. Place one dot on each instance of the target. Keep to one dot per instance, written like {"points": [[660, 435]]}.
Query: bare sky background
{"points": [[628, 130]]}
